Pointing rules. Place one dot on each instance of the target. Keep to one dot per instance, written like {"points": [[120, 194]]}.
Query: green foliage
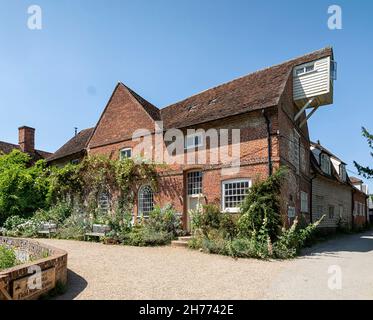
{"points": [[7, 258], [255, 232], [210, 217], [56, 213], [23, 188], [164, 220], [262, 202], [292, 240], [143, 236], [366, 171], [74, 227], [162, 226]]}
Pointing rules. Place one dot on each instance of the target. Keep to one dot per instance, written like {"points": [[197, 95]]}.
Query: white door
{"points": [[193, 204]]}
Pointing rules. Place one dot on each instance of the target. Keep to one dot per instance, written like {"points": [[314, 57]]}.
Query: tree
{"points": [[23, 188], [366, 171]]}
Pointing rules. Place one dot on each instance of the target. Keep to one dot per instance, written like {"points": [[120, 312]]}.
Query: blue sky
{"points": [[62, 76]]}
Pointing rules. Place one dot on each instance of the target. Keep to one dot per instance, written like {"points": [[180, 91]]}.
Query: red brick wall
{"points": [[122, 116], [358, 196], [26, 139]]}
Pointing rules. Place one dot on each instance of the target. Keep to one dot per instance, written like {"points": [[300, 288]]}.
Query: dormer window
{"points": [[342, 172], [125, 153], [325, 163]]}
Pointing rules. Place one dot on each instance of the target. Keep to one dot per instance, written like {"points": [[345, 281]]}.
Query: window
{"points": [[341, 211], [319, 211], [303, 201], [331, 212], [146, 204], [125, 153], [193, 141], [342, 172], [75, 161], [310, 68], [305, 69], [103, 202], [325, 163], [319, 203], [233, 193], [194, 182], [355, 208]]}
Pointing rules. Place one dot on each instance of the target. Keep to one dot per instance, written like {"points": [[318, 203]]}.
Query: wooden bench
{"points": [[47, 228], [98, 231]]}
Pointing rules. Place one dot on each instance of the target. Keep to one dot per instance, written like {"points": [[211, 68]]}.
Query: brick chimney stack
{"points": [[26, 139]]}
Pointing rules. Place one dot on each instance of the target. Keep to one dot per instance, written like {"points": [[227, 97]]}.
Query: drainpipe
{"points": [[268, 123], [311, 193], [353, 208]]}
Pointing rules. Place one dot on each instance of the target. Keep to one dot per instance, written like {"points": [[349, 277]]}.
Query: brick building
{"points": [[360, 202], [26, 144], [267, 108], [334, 193]]}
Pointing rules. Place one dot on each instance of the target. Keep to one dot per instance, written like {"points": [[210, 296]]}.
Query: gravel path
{"points": [[97, 271]]}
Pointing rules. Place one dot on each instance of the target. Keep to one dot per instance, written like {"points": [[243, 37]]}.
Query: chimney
{"points": [[26, 139]]}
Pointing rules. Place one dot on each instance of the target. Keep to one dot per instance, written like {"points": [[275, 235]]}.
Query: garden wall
{"points": [[15, 282]]}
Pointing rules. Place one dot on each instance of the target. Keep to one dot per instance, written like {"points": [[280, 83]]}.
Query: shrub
{"points": [[292, 240], [7, 258], [164, 220], [142, 236], [162, 226], [56, 213], [23, 188], [74, 227], [262, 202]]}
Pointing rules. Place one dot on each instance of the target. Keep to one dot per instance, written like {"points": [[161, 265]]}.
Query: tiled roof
{"points": [[261, 89], [152, 110], [75, 145], [6, 148], [323, 149], [257, 90], [355, 180]]}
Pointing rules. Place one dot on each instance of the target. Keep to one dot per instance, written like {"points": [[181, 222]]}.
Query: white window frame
{"points": [[140, 198], [223, 189], [188, 183], [193, 136], [125, 150], [304, 202], [303, 68]]}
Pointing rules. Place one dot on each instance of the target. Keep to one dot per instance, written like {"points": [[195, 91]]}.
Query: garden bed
{"points": [[35, 260]]}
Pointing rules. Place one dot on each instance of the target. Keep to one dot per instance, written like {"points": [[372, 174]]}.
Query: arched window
{"points": [[146, 204], [104, 202]]}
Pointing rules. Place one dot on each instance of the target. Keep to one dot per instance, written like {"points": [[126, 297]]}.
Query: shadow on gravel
{"points": [[359, 242], [75, 285]]}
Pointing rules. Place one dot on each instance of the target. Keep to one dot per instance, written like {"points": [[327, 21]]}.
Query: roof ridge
{"points": [[144, 103], [249, 74]]}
